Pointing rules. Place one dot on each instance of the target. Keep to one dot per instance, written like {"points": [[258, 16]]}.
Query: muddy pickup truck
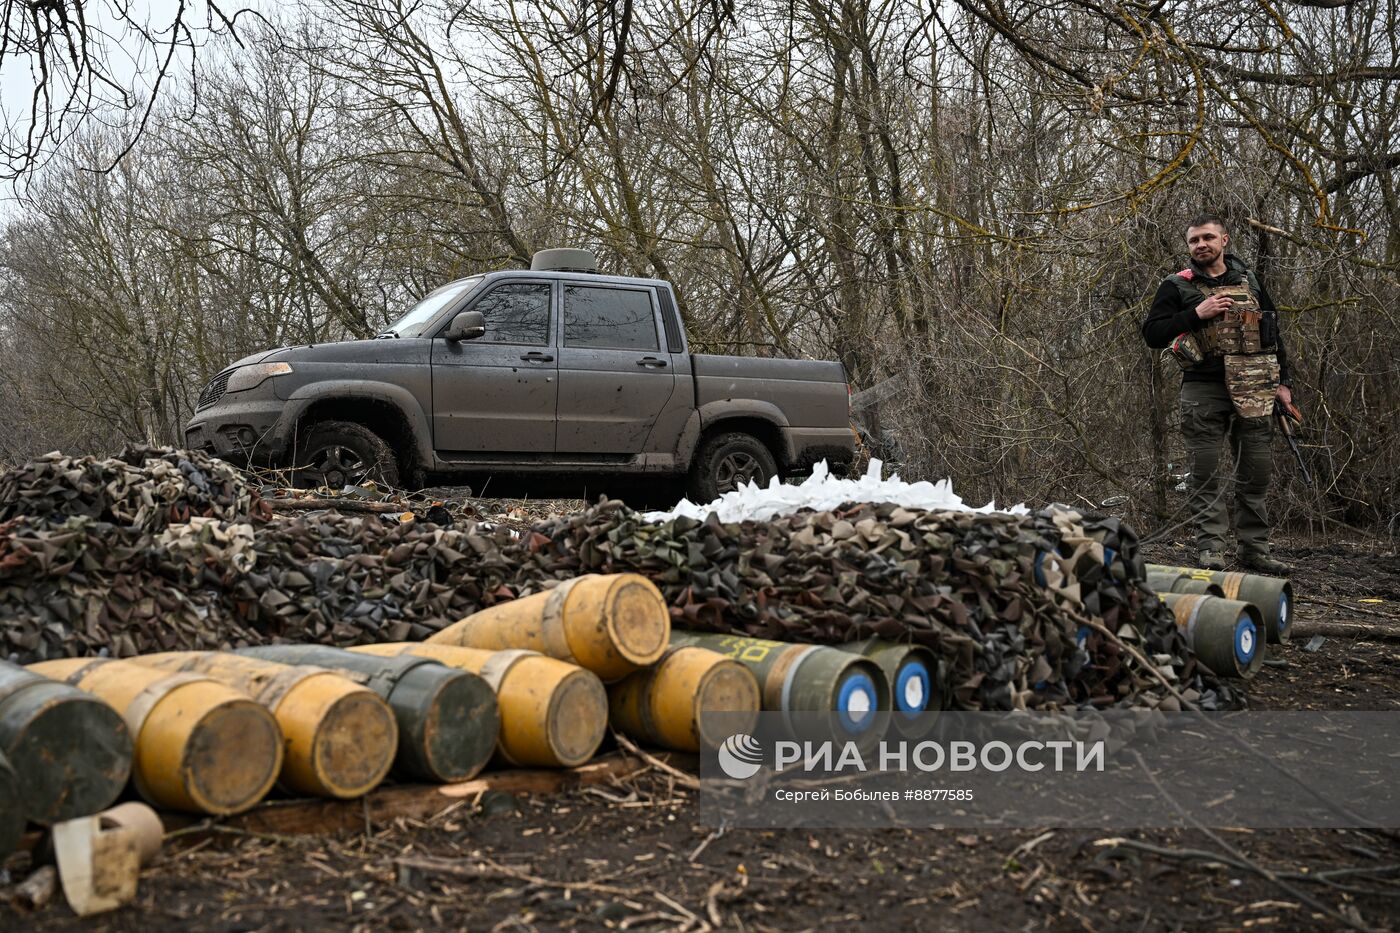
{"points": [[558, 370]]}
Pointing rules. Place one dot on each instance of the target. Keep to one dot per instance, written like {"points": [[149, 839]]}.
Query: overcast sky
{"points": [[130, 61]]}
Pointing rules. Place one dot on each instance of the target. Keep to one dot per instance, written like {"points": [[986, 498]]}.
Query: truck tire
{"points": [[727, 461], [343, 453]]}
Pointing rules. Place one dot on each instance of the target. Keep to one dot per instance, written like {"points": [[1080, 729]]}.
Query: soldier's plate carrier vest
{"points": [[1251, 368]]}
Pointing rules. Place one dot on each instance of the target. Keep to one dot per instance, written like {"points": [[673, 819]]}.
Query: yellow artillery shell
{"points": [[553, 714], [340, 736], [677, 703], [849, 692], [200, 745], [610, 624]]}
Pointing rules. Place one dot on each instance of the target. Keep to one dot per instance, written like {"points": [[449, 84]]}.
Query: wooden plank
{"points": [[419, 801], [1303, 629]]}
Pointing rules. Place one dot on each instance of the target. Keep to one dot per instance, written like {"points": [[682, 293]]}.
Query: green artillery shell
{"points": [[806, 678], [1172, 582], [1273, 595], [553, 714], [1224, 633], [910, 672], [11, 813], [70, 751], [448, 718]]}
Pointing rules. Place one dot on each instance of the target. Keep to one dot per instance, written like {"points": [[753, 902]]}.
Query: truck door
{"points": [[498, 393], [614, 375]]}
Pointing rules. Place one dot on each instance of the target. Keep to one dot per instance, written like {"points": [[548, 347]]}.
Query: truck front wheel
{"points": [[342, 453], [727, 461]]}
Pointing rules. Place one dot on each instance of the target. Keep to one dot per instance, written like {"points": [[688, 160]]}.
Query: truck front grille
{"points": [[214, 390]]}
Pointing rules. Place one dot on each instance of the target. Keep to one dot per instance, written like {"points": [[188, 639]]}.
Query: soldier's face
{"points": [[1206, 243]]}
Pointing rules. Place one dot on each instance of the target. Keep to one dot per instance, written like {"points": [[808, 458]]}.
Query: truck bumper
{"points": [[252, 431]]}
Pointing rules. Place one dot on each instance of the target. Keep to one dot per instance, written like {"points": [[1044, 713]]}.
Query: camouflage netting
{"points": [[161, 550]]}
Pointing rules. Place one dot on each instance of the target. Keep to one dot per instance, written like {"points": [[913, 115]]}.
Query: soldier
{"points": [[1221, 326]]}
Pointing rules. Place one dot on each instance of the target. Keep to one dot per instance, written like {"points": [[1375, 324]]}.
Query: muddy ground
{"points": [[635, 856]]}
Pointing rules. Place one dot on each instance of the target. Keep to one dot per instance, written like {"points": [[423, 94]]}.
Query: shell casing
{"points": [[12, 817], [808, 679], [553, 714], [675, 702], [341, 737], [200, 745], [610, 624], [1170, 582], [448, 719], [1224, 633], [1272, 595], [70, 752], [911, 671]]}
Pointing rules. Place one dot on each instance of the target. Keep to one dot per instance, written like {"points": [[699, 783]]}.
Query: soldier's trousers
{"points": [[1207, 419]]}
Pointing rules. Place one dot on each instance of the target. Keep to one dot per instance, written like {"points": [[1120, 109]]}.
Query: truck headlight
{"points": [[248, 377]]}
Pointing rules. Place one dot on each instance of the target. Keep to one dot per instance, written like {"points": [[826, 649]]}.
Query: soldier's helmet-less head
{"points": [[1207, 239]]}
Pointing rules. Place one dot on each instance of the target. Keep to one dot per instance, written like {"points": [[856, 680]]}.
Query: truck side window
{"points": [[608, 318], [516, 312]]}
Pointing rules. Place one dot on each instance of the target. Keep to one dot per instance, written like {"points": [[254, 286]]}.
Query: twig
{"points": [[688, 781], [707, 840], [1345, 629], [1336, 605], [487, 869], [205, 826]]}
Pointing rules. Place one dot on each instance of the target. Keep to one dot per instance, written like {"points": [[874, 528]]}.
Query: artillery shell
{"points": [[674, 703], [909, 670], [12, 818], [1224, 633], [553, 714], [448, 719], [806, 678], [69, 751], [610, 624], [1273, 595], [200, 745], [341, 737], [1172, 582]]}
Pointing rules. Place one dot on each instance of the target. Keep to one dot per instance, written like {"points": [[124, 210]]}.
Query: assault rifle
{"points": [[1287, 416]]}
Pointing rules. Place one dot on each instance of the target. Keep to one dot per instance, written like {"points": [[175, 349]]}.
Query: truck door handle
{"points": [[651, 362], [535, 356]]}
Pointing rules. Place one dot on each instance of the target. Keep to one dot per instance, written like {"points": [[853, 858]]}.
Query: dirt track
{"points": [[634, 856]]}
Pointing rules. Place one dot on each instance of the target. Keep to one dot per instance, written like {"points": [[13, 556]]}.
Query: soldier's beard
{"points": [[1206, 258]]}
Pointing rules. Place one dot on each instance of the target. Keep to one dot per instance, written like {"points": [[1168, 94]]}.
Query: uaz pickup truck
{"points": [[558, 370]]}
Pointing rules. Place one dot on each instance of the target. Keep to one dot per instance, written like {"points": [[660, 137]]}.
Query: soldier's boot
{"points": [[1263, 563], [1210, 560]]}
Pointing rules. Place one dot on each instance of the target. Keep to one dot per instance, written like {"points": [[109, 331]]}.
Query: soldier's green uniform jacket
{"points": [[1174, 313]]}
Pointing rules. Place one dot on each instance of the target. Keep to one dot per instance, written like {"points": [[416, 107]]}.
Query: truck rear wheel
{"points": [[727, 461], [343, 453]]}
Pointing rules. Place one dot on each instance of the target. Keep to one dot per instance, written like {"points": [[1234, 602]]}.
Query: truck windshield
{"points": [[420, 315]]}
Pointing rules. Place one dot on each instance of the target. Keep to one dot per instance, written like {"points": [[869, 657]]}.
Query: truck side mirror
{"points": [[468, 325]]}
